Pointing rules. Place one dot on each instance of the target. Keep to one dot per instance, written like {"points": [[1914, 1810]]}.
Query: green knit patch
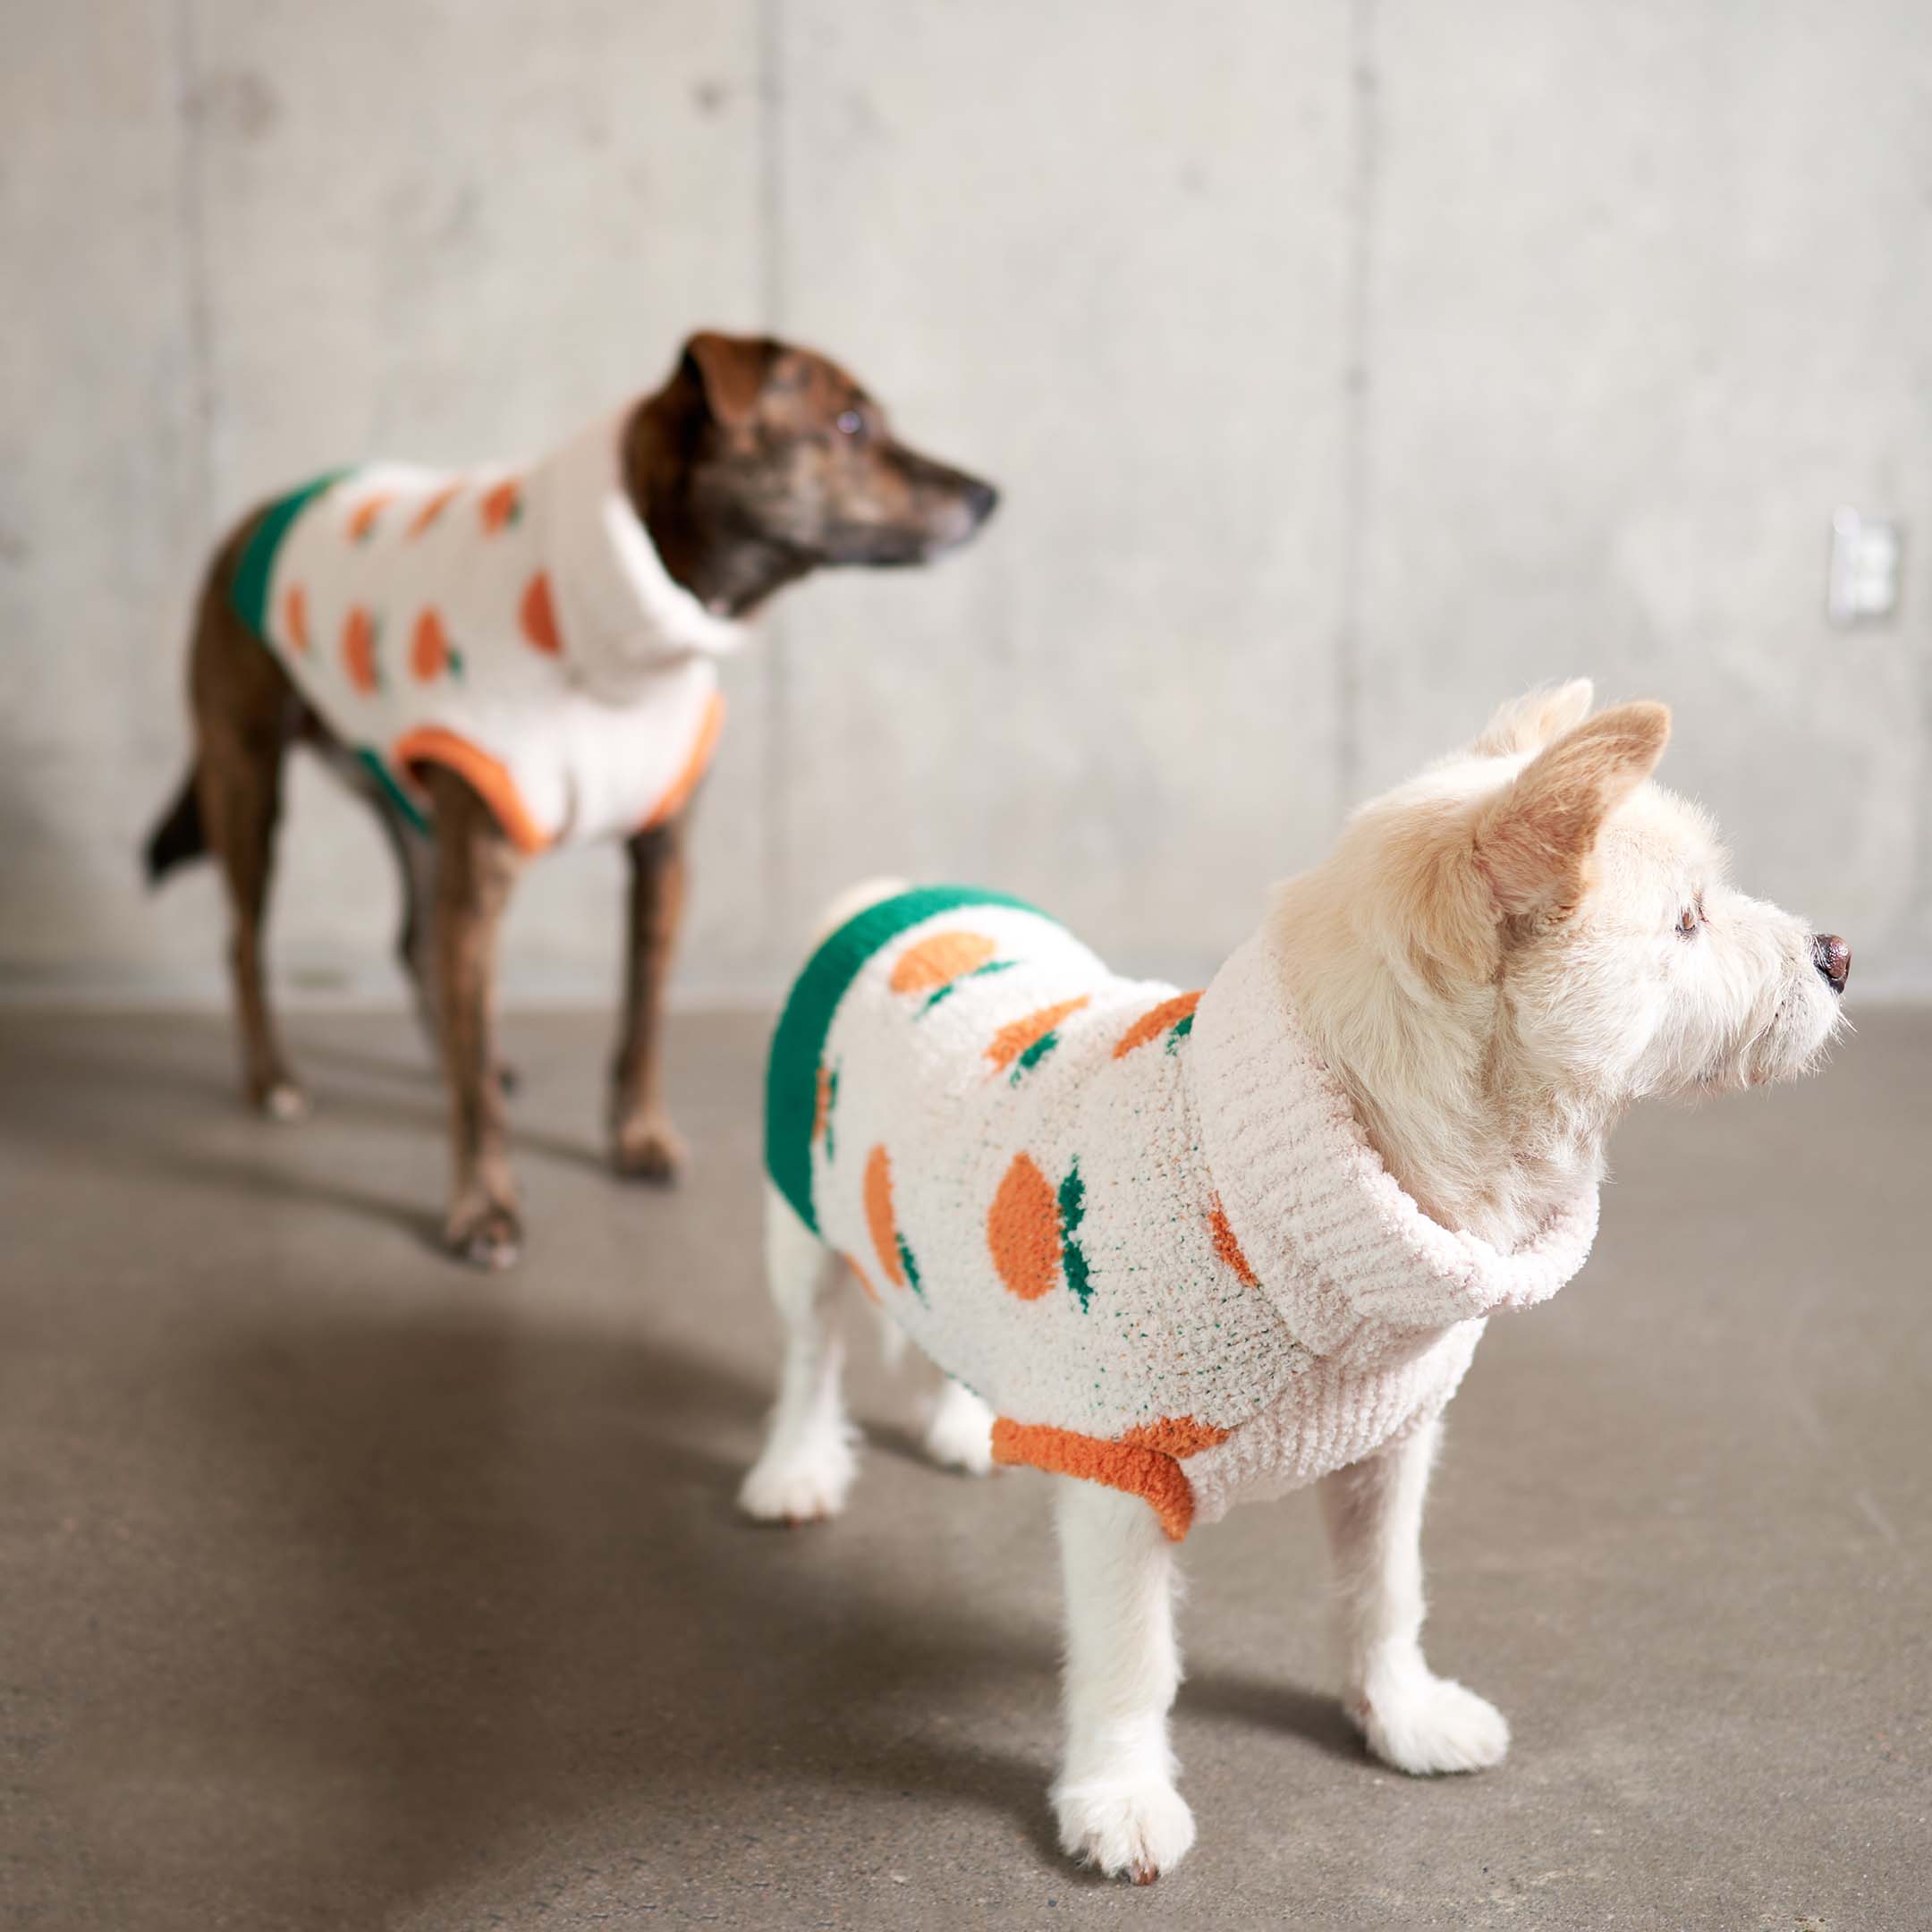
{"points": [[911, 1267], [1034, 1055], [1072, 1255], [385, 780], [1180, 1030], [249, 591], [798, 1046], [952, 985]]}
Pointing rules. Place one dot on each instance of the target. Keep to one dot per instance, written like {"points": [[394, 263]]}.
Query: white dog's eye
{"points": [[1690, 918]]}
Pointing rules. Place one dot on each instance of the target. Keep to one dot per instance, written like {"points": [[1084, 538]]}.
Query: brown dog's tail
{"points": [[180, 836]]}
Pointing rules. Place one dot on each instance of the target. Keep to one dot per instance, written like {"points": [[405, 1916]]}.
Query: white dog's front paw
{"points": [[802, 1483], [960, 1436], [1423, 1723], [1135, 1827]]}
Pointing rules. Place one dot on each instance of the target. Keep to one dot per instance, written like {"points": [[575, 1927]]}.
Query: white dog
{"points": [[1195, 1247]]}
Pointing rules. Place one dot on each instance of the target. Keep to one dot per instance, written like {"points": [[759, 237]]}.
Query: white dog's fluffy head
{"points": [[1503, 953]]}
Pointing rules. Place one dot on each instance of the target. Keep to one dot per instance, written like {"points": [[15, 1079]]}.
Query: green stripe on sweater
{"points": [[249, 591], [791, 1075]]}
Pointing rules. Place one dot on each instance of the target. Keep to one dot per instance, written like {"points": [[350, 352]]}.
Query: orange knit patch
{"points": [[695, 764], [538, 617], [821, 1106], [878, 1209], [362, 518], [1023, 1230], [1227, 1247], [936, 962], [1152, 1024], [434, 508], [859, 1274], [1136, 1463], [500, 507], [429, 647], [358, 649], [1016, 1036], [295, 616]]}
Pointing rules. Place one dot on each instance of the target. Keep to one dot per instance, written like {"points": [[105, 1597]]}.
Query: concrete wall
{"points": [[1347, 366]]}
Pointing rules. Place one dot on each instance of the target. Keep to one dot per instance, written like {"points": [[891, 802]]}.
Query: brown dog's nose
{"points": [[981, 500], [1833, 958]]}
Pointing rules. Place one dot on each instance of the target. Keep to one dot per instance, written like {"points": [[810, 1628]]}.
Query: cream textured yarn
{"points": [[1144, 1225], [515, 624]]}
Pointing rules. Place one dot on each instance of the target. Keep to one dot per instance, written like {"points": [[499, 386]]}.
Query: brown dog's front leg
{"points": [[475, 867], [645, 1146]]}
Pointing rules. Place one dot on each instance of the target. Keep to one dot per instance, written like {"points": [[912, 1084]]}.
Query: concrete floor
{"points": [[344, 1587]]}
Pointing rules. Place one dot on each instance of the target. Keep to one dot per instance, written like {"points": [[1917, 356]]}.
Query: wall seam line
{"points": [[1364, 171], [197, 294], [778, 938]]}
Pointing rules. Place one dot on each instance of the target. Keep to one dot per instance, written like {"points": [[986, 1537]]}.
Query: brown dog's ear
{"points": [[1534, 842], [1529, 723], [731, 371]]}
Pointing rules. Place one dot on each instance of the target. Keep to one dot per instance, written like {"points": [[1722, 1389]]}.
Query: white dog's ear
{"points": [[1529, 723], [1534, 841]]}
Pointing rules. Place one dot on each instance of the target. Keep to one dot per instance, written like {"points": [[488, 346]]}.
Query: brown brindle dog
{"points": [[757, 462]]}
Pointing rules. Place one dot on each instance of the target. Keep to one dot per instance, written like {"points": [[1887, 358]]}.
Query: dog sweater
{"points": [[516, 626], [1143, 1224]]}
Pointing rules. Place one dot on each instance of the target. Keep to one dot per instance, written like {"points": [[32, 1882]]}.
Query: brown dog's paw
{"points": [[279, 1100], [485, 1233], [651, 1149]]}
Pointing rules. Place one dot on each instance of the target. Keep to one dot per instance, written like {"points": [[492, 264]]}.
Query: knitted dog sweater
{"points": [[516, 626], [1145, 1225]]}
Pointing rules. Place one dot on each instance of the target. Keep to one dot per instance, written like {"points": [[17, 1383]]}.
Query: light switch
{"points": [[1864, 569]]}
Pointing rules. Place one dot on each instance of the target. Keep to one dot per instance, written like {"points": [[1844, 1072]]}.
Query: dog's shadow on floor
{"points": [[531, 1599]]}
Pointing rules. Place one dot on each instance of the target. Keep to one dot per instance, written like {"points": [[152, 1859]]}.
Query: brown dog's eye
{"points": [[851, 423]]}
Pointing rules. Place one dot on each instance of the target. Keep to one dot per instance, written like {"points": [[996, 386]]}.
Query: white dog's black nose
{"points": [[1833, 958]]}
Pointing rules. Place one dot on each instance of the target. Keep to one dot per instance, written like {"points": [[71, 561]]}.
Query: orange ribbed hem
{"points": [[1143, 1462], [491, 782], [686, 782]]}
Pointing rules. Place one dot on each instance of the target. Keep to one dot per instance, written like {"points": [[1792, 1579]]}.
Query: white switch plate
{"points": [[1864, 568]]}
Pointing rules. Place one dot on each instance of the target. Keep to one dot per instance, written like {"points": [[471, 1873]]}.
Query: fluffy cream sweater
{"points": [[515, 624], [1145, 1225]]}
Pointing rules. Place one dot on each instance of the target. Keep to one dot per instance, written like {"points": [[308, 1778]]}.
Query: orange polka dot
{"points": [[935, 962], [538, 617], [879, 1221], [1016, 1036], [500, 507], [1227, 1247], [362, 518], [429, 647], [1023, 1230], [358, 649], [1153, 1024], [295, 616], [434, 508]]}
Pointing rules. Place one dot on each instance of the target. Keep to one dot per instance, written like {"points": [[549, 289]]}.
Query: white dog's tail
{"points": [[853, 901]]}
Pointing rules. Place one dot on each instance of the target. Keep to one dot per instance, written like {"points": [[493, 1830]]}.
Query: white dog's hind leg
{"points": [[1413, 1719], [959, 1429], [807, 1463], [1114, 1798]]}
